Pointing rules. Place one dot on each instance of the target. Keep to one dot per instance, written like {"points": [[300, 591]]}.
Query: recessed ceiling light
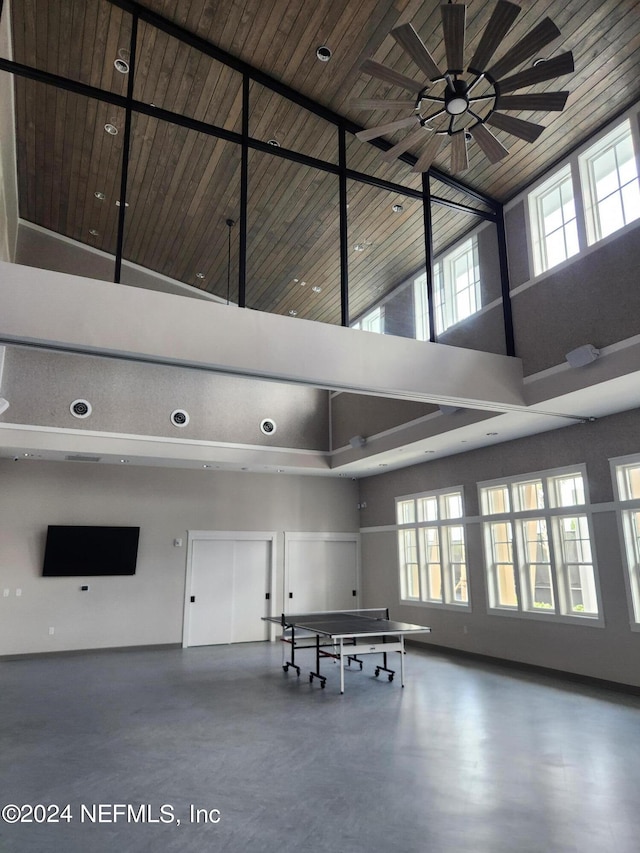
{"points": [[200, 275], [293, 313], [397, 208], [94, 233], [111, 128], [324, 53], [121, 66], [316, 289], [359, 247], [296, 280], [273, 142], [100, 196]]}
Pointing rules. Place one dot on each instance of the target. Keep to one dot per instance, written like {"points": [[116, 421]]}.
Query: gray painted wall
{"points": [[359, 414], [595, 299], [134, 398], [609, 653], [45, 250], [146, 608]]}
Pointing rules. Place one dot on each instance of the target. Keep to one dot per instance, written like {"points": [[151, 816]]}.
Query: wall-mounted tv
{"points": [[90, 551]]}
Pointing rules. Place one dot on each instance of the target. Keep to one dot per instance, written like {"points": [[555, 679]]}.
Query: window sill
{"points": [[544, 616]]}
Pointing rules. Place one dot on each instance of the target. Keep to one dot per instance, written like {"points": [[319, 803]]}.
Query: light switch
{"points": [[18, 592], [177, 543], [5, 592]]}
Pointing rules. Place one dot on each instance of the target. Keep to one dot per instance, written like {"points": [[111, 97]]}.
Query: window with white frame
{"points": [[609, 177], [432, 548], [456, 285], [538, 552], [373, 321], [627, 482], [554, 228], [421, 308]]}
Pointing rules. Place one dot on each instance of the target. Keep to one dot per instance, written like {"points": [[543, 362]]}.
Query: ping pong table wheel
{"points": [[391, 677], [377, 672], [322, 683]]}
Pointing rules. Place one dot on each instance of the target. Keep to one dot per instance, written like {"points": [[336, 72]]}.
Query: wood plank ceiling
{"points": [[183, 185]]}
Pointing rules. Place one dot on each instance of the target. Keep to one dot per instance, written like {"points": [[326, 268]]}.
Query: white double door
{"points": [[228, 581], [321, 572]]}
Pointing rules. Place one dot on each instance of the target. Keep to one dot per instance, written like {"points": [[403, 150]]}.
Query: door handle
{"points": [[193, 599]]}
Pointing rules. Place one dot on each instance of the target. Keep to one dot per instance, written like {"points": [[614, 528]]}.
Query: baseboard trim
{"points": [[159, 647], [556, 674]]}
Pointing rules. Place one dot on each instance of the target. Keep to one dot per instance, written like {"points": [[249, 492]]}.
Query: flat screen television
{"points": [[90, 551]]}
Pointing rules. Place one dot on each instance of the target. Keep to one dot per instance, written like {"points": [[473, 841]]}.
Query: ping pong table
{"points": [[344, 635]]}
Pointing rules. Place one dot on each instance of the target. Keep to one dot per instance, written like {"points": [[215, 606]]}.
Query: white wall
{"points": [[146, 608]]}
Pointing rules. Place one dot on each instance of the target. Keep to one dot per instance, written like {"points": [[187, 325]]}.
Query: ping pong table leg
{"points": [[341, 665], [402, 660]]}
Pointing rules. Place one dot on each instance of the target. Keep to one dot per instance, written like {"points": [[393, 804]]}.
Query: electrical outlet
{"points": [[52, 631], [5, 592], [18, 593], [177, 543]]}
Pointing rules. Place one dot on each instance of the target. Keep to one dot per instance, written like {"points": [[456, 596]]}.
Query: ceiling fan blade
{"points": [[499, 25], [412, 44], [429, 154], [545, 101], [459, 156], [547, 70], [377, 69], [383, 129], [516, 126], [414, 138], [453, 25], [491, 147], [539, 37], [382, 104]]}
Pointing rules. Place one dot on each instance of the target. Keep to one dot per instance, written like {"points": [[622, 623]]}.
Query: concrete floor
{"points": [[468, 757]]}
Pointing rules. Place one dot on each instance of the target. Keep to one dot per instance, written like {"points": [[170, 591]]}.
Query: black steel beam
{"points": [[504, 282], [428, 253], [126, 145]]}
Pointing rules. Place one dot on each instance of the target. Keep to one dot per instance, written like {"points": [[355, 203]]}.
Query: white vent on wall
{"points": [[179, 418], [80, 408]]}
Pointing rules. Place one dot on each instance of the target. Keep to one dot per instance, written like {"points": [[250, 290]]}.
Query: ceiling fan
{"points": [[459, 103]]}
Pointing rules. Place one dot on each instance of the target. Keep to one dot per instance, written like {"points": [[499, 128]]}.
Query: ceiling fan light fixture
{"points": [[470, 96]]}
